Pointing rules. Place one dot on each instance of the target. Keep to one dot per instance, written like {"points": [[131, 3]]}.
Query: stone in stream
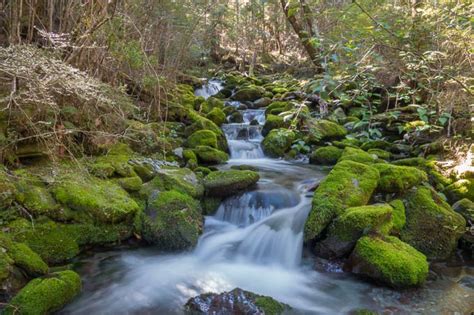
{"points": [[227, 183], [237, 301]]}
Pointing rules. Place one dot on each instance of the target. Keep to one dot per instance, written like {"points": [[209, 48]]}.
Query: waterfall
{"points": [[209, 89]]}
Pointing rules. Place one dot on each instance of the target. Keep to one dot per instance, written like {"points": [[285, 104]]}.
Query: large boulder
{"points": [[7, 191], [227, 183], [35, 197], [398, 179], [172, 221], [217, 116], [431, 226], [181, 179], [460, 189], [209, 156], [349, 184], [202, 123], [357, 155], [236, 301], [389, 261], [46, 295], [273, 122], [250, 93], [278, 142], [325, 155], [321, 130], [351, 225], [202, 137]]}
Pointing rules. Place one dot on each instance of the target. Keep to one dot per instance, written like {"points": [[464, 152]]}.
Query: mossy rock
{"points": [[202, 137], [210, 156], [250, 93], [380, 153], [236, 117], [115, 163], [202, 123], [172, 221], [147, 138], [46, 295], [227, 183], [431, 226], [278, 107], [357, 155], [34, 196], [465, 207], [325, 155], [389, 261], [435, 177], [210, 205], [273, 122], [344, 232], [7, 191], [145, 171], [376, 144], [181, 179], [131, 184], [398, 179], [323, 130], [102, 200], [349, 184], [348, 142], [461, 189], [217, 116], [278, 142], [398, 215]]}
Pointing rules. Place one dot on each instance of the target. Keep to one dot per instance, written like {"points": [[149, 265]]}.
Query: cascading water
{"points": [[211, 88]]}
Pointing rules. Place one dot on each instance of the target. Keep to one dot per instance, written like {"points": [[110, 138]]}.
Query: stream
{"points": [[254, 242]]}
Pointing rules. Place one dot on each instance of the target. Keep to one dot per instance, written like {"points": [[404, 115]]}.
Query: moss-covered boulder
{"points": [[321, 130], [115, 163], [344, 232], [376, 144], [210, 156], [278, 107], [172, 221], [398, 179], [202, 137], [325, 155], [46, 295], [202, 123], [227, 183], [217, 116], [34, 196], [273, 122], [181, 179], [349, 184], [278, 142], [398, 215], [131, 184], [389, 261], [7, 191], [236, 301], [357, 155], [460, 189], [381, 154], [465, 207], [251, 93], [102, 200], [431, 226]]}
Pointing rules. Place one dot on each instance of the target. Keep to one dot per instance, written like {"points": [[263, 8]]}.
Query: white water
{"points": [[211, 88]]}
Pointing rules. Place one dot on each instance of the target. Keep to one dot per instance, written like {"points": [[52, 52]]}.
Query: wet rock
{"points": [[278, 142], [262, 102], [321, 130], [236, 117], [202, 137], [326, 155], [248, 94], [227, 183], [181, 179], [236, 301], [209, 156], [465, 207], [273, 122], [460, 189]]}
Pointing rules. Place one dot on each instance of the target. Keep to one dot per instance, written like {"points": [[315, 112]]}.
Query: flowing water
{"points": [[254, 242]]}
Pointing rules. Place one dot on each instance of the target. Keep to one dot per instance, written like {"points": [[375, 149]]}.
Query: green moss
{"points": [[460, 189], [7, 191], [431, 226], [389, 261], [102, 200], [210, 205], [114, 163], [397, 179], [46, 295], [34, 196], [276, 108], [325, 155], [273, 122], [270, 306], [375, 144], [202, 123], [399, 217], [349, 184], [357, 155], [348, 142], [181, 179], [131, 184], [172, 221], [202, 137], [277, 142], [437, 179], [381, 154], [208, 155], [145, 171], [27, 259], [250, 93], [6, 263], [226, 183], [465, 207], [217, 116], [320, 130]]}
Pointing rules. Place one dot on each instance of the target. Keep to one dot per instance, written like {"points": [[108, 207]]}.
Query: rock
{"points": [[174, 178], [351, 225], [322, 130], [202, 137], [115, 163], [7, 191], [23, 257], [273, 122], [102, 200], [172, 221], [131, 184], [227, 183], [398, 179], [431, 226], [208, 155], [357, 155], [389, 261], [381, 154], [276, 108], [376, 144], [262, 102], [461, 189], [145, 171], [465, 207], [251, 93], [146, 138], [217, 116], [277, 142], [202, 123], [349, 184], [348, 142], [236, 301], [34, 196], [398, 215], [46, 295], [325, 155]]}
